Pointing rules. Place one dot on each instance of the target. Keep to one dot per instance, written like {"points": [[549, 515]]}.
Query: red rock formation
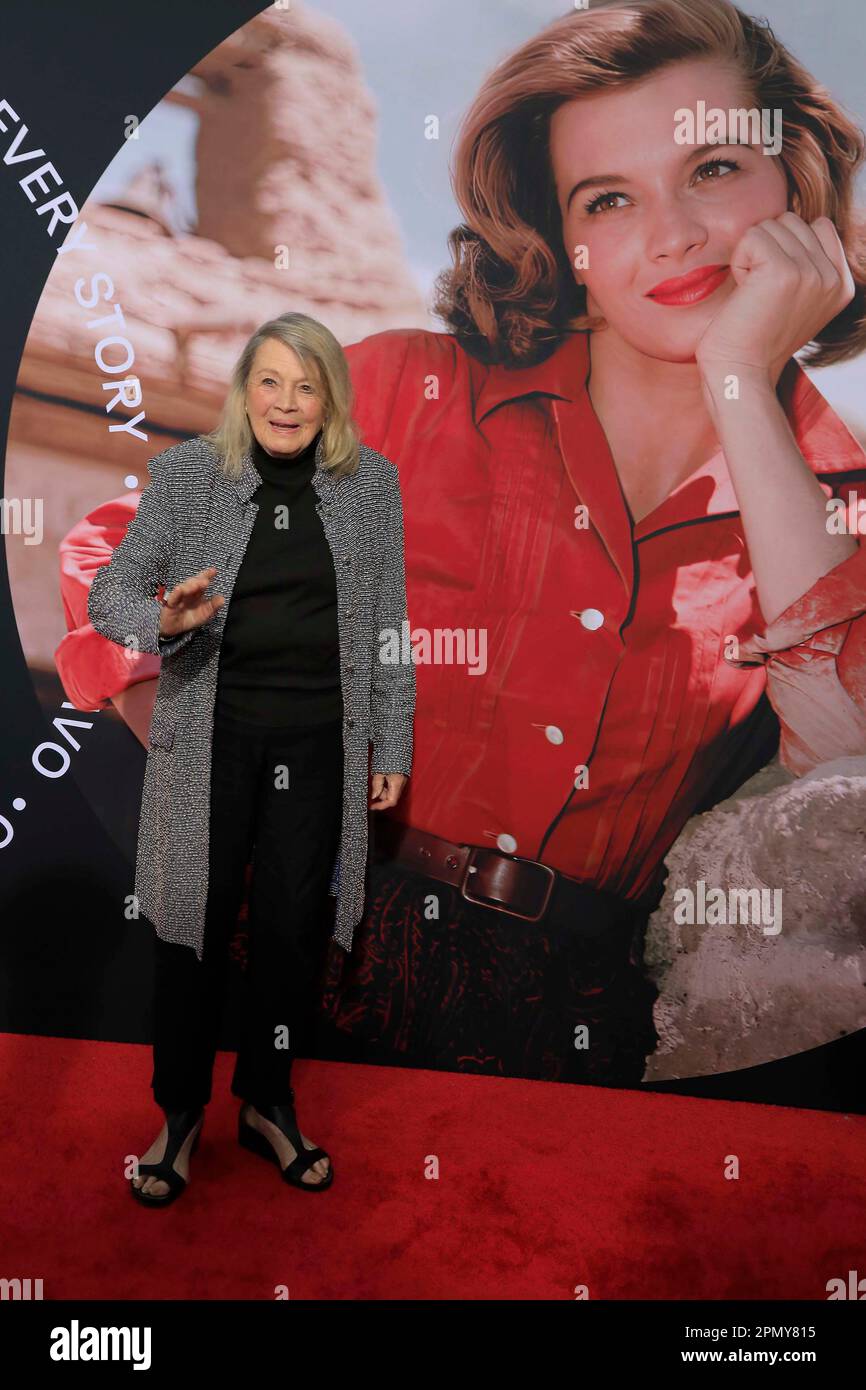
{"points": [[291, 215]]}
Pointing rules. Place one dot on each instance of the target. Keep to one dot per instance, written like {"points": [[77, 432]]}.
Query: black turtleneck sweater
{"points": [[280, 651]]}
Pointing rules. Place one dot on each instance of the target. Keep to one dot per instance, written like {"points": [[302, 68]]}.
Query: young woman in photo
{"points": [[613, 466]]}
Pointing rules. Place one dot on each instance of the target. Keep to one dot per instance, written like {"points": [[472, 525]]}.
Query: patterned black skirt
{"points": [[473, 989]]}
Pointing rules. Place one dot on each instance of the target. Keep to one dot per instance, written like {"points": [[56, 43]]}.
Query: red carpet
{"points": [[541, 1187]]}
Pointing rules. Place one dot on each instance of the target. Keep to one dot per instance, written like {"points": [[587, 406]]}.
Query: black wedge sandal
{"points": [[180, 1125], [283, 1116]]}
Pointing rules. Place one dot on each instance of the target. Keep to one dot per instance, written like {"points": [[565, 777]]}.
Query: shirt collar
{"points": [[825, 441], [562, 374]]}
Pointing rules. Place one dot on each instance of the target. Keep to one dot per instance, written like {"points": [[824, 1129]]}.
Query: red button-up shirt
{"points": [[577, 693]]}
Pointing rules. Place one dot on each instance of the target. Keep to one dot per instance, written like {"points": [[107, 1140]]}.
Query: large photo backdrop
{"points": [[300, 158]]}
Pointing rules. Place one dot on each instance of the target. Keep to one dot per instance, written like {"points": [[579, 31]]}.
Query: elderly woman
{"points": [[264, 565]]}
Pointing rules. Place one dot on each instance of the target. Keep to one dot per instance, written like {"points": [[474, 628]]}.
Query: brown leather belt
{"points": [[523, 888]]}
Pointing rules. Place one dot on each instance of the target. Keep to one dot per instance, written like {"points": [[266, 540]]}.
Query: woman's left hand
{"points": [[792, 279], [386, 789]]}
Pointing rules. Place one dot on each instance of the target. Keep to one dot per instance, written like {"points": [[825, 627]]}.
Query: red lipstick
{"points": [[689, 289]]}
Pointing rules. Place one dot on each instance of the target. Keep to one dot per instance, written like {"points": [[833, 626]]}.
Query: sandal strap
{"points": [[304, 1161], [165, 1170], [290, 1129], [165, 1173]]}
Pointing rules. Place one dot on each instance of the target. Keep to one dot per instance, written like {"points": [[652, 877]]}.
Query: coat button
{"points": [[553, 734], [591, 618], [506, 843]]}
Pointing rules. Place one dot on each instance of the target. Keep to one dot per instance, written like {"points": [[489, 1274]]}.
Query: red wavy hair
{"points": [[510, 294]]}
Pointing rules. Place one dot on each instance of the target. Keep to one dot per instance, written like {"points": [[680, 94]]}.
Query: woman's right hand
{"points": [[186, 607]]}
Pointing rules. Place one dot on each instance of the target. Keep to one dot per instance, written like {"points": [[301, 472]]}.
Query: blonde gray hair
{"points": [[317, 348]]}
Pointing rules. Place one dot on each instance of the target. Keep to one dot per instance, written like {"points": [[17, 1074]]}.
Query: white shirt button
{"points": [[591, 618]]}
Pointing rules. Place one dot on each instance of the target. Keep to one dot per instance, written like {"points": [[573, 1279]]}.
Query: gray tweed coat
{"points": [[191, 516]]}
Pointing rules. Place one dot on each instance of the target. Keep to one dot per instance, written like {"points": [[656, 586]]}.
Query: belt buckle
{"points": [[498, 907]]}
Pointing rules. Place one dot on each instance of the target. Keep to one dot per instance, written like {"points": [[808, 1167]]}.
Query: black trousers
{"points": [[276, 794]]}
